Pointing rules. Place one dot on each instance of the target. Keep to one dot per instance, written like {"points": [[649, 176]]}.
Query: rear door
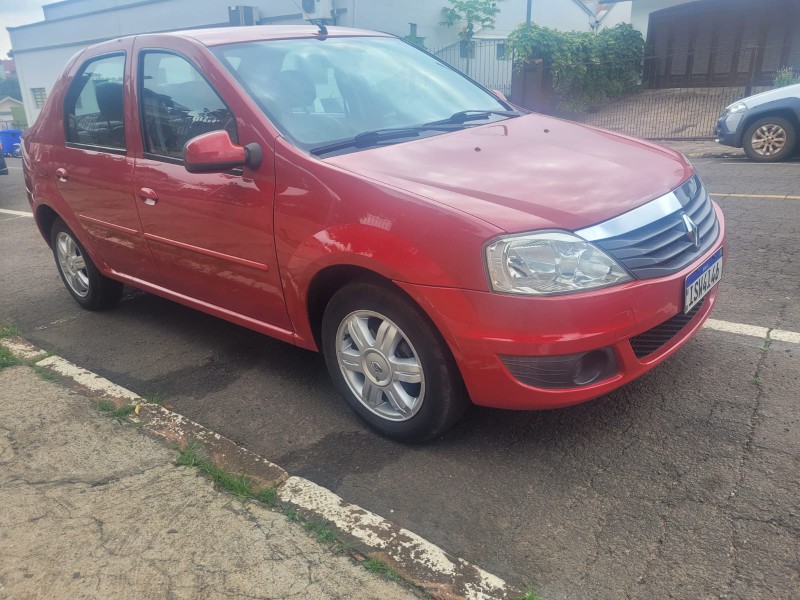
{"points": [[211, 234], [94, 169]]}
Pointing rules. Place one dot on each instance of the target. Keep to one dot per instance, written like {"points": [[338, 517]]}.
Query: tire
{"points": [[91, 289], [401, 360], [777, 137]]}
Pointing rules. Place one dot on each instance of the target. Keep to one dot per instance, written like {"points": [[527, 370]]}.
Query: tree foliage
{"points": [[471, 13], [10, 87], [587, 68]]}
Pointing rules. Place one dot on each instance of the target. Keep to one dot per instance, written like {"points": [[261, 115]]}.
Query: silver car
{"points": [[765, 125]]}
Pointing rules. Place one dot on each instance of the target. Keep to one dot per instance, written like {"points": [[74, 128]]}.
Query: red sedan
{"points": [[343, 191]]}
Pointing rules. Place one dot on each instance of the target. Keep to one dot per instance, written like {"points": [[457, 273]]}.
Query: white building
{"points": [[42, 49], [6, 115]]}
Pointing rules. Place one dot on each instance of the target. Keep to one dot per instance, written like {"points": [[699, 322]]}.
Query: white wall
{"points": [[617, 13]]}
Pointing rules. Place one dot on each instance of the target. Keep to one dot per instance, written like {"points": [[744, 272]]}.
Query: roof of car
{"points": [[233, 35]]}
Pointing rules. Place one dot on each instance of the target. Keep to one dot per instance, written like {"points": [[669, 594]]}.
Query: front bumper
{"points": [[727, 129], [480, 327]]}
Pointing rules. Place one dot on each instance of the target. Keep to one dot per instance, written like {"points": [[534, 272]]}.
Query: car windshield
{"points": [[320, 92]]}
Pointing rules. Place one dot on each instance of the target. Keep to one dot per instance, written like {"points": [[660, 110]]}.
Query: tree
{"points": [[10, 87], [472, 13]]}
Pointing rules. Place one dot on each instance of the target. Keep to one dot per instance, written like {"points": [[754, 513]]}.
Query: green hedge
{"points": [[587, 68]]}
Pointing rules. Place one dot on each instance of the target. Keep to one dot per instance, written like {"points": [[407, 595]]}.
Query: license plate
{"points": [[702, 280]]}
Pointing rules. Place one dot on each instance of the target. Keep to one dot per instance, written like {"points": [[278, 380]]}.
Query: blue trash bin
{"points": [[9, 138]]}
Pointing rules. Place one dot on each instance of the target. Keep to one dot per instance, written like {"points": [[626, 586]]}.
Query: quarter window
{"points": [[94, 106], [177, 104]]}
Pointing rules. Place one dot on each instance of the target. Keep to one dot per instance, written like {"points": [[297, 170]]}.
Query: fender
{"points": [[784, 104]]}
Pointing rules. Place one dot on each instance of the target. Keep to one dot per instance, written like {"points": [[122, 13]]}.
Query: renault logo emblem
{"points": [[691, 230], [376, 368]]}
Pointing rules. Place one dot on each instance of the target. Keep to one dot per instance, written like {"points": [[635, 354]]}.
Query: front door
{"points": [[211, 234]]}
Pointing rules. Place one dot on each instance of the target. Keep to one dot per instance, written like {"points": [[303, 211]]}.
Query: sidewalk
{"points": [[702, 149], [94, 508]]}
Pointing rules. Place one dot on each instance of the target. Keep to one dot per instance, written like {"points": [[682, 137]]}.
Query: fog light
{"points": [[563, 371]]}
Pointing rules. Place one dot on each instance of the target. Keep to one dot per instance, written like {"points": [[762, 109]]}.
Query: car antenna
{"points": [[321, 24]]}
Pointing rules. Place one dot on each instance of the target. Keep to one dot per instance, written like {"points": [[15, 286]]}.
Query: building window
{"points": [[501, 51], [39, 96]]}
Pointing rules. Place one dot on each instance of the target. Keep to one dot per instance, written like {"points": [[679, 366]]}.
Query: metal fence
{"points": [[680, 94], [485, 61]]}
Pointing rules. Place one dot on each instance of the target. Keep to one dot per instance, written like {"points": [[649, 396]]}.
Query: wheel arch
{"points": [[45, 216], [790, 113]]}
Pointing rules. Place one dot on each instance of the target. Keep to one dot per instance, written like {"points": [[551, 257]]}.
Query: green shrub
{"points": [[587, 68], [786, 76]]}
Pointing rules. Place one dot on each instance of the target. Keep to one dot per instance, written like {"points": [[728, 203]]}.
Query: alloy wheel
{"points": [[72, 264], [769, 140], [380, 365]]}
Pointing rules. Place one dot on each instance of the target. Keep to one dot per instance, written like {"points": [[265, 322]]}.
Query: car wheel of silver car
{"points": [[87, 285], [391, 364], [770, 139]]}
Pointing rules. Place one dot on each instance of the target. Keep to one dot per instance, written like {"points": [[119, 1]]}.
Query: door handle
{"points": [[148, 196], [61, 174]]}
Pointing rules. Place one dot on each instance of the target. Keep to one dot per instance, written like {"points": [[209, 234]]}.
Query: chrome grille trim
{"points": [[651, 240]]}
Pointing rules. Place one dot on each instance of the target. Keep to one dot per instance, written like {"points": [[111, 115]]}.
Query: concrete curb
{"points": [[441, 575]]}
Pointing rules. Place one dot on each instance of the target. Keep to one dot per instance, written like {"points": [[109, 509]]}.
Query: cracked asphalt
{"points": [[684, 484]]}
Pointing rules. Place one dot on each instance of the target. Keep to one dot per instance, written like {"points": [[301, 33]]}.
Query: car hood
{"points": [[528, 172], [790, 91]]}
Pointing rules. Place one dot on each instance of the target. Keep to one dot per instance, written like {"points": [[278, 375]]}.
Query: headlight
{"points": [[735, 108], [549, 263]]}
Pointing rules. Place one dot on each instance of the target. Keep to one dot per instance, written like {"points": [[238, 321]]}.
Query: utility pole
{"points": [[528, 18]]}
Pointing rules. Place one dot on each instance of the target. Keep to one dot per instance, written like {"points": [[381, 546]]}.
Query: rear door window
{"points": [[177, 104], [94, 105]]}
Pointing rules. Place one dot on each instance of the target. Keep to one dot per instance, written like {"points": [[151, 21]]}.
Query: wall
{"points": [[641, 9]]}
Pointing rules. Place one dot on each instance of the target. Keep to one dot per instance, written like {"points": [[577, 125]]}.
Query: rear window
{"points": [[94, 105]]}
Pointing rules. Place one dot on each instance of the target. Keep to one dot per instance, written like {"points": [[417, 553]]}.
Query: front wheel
{"points": [[391, 364], [88, 286], [770, 139]]}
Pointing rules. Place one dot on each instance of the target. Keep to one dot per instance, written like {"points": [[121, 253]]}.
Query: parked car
{"points": [[346, 192], [765, 125]]}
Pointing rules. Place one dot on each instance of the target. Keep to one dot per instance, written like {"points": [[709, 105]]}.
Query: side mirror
{"points": [[500, 95], [214, 152]]}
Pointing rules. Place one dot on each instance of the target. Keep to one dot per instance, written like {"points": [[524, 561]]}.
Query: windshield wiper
{"points": [[367, 139], [474, 115]]}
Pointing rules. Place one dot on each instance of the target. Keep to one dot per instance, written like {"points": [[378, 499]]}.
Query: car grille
{"points": [[663, 247], [654, 339]]}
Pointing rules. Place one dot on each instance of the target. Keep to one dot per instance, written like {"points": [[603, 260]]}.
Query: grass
{"points": [[118, 413], [7, 359], [155, 398], [44, 372], [531, 595], [378, 567], [8, 330]]}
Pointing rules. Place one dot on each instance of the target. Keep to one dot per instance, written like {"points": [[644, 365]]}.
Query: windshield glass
{"points": [[319, 91]]}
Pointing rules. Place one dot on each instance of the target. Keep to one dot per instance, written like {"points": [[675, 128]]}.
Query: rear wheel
{"points": [[770, 139], [88, 286], [391, 364]]}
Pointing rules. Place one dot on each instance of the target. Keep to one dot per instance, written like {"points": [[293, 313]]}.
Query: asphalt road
{"points": [[684, 484]]}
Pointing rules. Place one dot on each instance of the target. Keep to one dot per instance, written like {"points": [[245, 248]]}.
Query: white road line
{"points": [[740, 328], [779, 335], [18, 213], [785, 336]]}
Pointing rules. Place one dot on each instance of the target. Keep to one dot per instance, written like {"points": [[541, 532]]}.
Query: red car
{"points": [[344, 191]]}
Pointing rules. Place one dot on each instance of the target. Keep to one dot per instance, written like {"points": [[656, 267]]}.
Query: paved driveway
{"points": [[684, 484]]}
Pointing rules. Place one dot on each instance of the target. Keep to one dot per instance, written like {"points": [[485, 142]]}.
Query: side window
{"points": [[93, 108], [177, 104]]}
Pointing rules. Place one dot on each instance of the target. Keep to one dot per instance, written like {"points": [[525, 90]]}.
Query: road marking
{"points": [[785, 336], [740, 328], [779, 335], [767, 196], [18, 213]]}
